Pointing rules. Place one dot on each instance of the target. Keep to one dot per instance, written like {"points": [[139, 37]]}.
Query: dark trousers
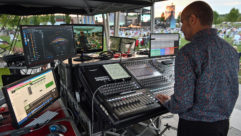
{"points": [[199, 128]]}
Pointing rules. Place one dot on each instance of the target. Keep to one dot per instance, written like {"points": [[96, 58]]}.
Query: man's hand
{"points": [[162, 98]]}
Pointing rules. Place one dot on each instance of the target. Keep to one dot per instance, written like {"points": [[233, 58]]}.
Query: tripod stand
{"points": [[155, 124]]}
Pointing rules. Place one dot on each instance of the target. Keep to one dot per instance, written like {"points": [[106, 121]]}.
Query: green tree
{"points": [[52, 19], [4, 20], [233, 15], [239, 18], [215, 17], [45, 19], [67, 19], [25, 20], [13, 20], [35, 20], [179, 18]]}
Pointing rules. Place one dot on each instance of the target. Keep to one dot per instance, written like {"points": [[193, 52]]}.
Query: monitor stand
{"points": [[83, 57]]}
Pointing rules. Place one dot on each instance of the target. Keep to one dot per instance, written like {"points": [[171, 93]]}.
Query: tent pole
{"points": [[152, 18], [117, 24], [107, 30]]}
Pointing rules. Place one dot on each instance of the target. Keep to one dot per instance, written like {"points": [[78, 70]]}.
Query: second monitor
{"points": [[164, 44], [122, 44], [88, 38]]}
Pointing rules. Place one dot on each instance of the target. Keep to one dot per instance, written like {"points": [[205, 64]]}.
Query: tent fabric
{"points": [[83, 7]]}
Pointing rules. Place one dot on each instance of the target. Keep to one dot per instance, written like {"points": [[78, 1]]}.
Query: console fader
{"points": [[133, 103]]}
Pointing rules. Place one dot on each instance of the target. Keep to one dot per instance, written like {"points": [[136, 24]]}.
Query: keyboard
{"points": [[117, 88], [47, 116], [167, 90], [148, 82]]}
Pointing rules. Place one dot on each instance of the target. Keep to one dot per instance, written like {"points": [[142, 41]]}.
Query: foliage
{"points": [[233, 15], [179, 18], [3, 20], [239, 18], [35, 20], [25, 21], [9, 20], [215, 17], [44, 19], [67, 19], [52, 19]]}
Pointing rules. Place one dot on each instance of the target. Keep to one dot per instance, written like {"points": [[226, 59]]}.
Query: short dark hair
{"points": [[202, 11]]}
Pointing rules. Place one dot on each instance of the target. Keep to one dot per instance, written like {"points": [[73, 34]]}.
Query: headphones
{"points": [[106, 55]]}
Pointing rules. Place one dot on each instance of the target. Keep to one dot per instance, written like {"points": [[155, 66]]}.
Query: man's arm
{"points": [[183, 96]]}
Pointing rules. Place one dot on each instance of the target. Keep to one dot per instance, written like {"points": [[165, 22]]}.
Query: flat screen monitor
{"points": [[127, 45], [88, 38], [164, 44], [143, 71], [29, 96], [115, 43], [44, 44]]}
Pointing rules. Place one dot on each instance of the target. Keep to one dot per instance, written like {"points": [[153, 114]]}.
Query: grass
{"points": [[183, 42], [3, 71], [7, 38]]}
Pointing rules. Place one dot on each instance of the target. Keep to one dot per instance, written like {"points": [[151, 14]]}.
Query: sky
{"points": [[221, 6]]}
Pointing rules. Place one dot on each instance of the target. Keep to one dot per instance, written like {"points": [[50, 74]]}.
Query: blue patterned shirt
{"points": [[206, 79]]}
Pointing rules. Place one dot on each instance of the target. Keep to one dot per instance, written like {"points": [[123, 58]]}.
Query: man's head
{"points": [[196, 17], [82, 33]]}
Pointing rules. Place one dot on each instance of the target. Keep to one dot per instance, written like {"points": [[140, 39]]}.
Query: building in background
{"points": [[87, 19]]}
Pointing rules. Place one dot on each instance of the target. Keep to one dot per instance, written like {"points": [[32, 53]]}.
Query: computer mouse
{"points": [[55, 134], [57, 128]]}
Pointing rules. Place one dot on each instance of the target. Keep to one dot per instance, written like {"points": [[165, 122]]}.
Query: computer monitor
{"points": [[29, 96], [115, 43], [127, 45], [164, 44], [44, 44], [88, 38]]}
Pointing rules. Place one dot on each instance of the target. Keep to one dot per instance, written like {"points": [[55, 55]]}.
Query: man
{"points": [[83, 42], [206, 77]]}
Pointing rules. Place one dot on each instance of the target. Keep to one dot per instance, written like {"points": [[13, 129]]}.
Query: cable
{"points": [[42, 125], [92, 111], [5, 124], [67, 109], [21, 70]]}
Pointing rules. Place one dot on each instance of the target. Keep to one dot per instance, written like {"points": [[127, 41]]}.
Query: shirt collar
{"points": [[205, 33]]}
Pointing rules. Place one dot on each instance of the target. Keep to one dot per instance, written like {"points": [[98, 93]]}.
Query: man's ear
{"points": [[193, 19]]}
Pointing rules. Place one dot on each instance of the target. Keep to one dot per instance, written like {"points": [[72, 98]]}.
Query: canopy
{"points": [[83, 7]]}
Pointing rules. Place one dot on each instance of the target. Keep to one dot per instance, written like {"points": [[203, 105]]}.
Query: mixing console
{"points": [[167, 90], [128, 89], [118, 88], [149, 82], [152, 72], [131, 104]]}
